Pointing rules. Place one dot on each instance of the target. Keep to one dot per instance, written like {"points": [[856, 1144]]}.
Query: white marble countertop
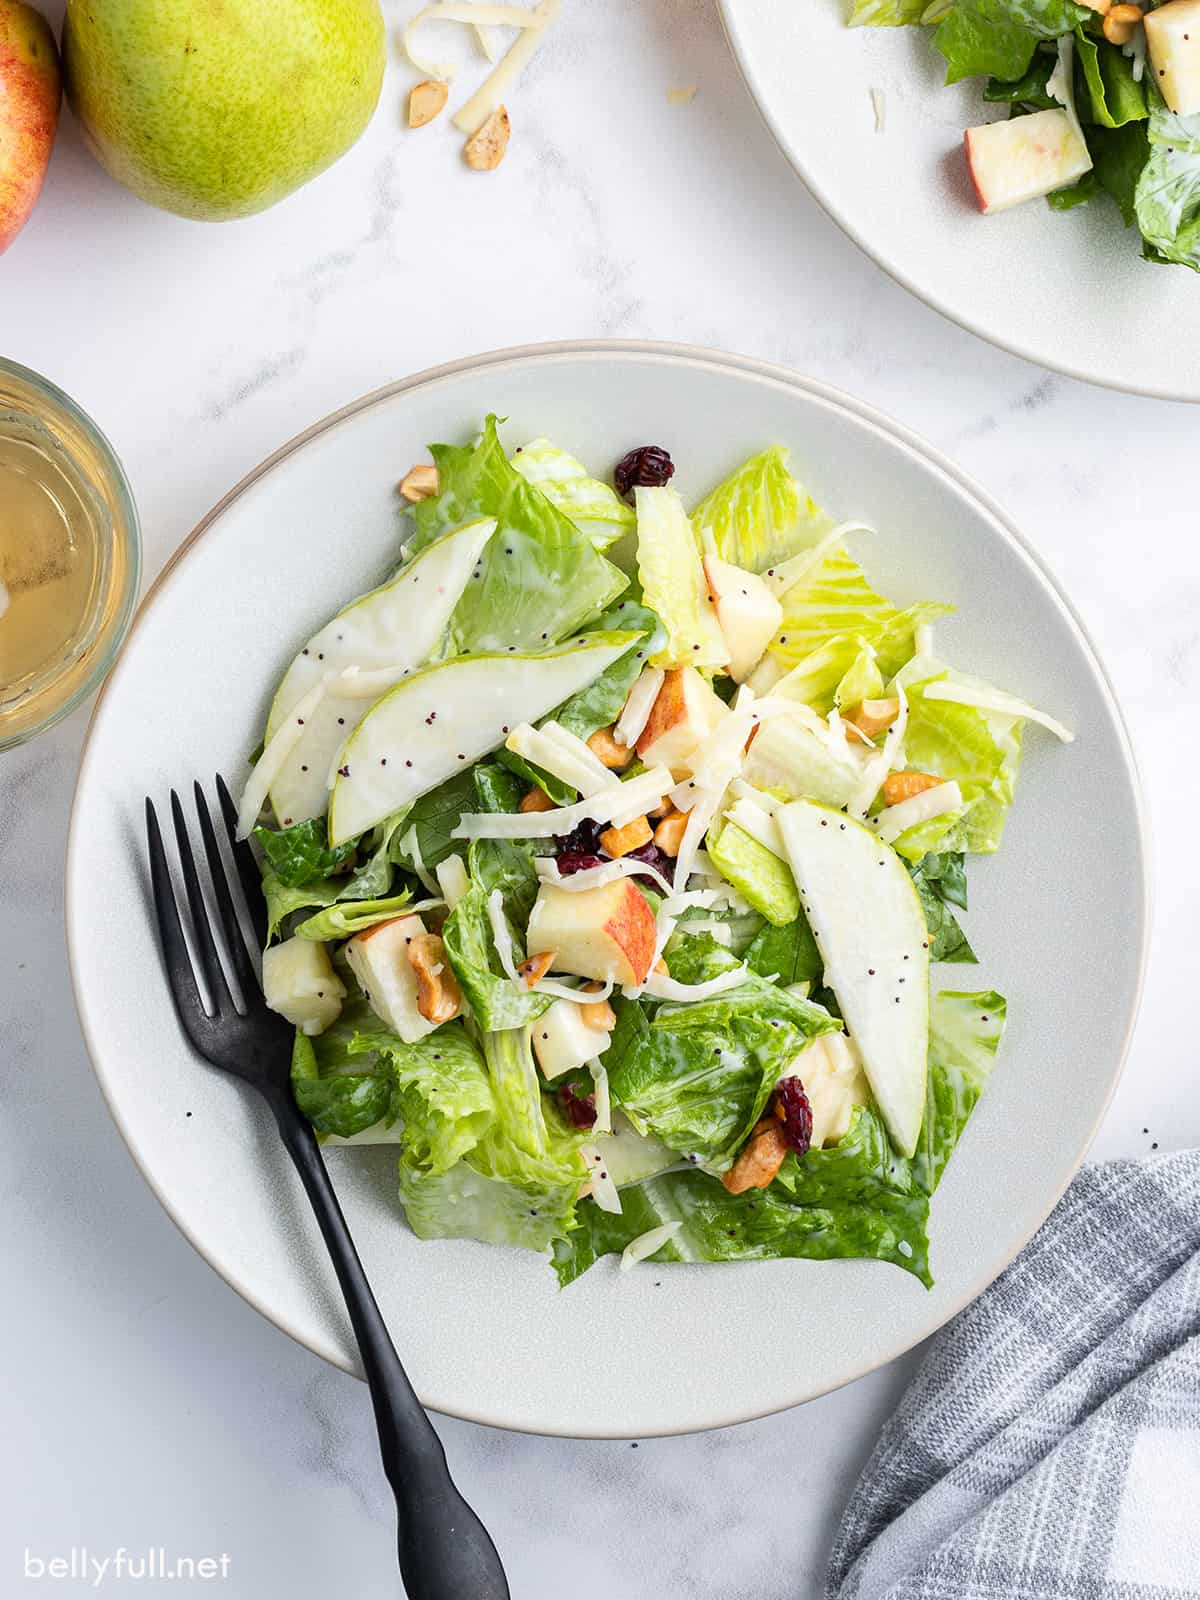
{"points": [[146, 1404]]}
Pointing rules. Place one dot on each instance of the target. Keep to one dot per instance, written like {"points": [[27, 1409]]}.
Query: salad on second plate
{"points": [[611, 899], [1103, 99]]}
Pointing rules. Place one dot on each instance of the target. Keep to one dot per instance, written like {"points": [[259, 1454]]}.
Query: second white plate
{"points": [[1068, 289]]}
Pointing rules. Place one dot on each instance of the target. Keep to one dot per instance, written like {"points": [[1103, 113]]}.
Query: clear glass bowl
{"points": [[63, 615]]}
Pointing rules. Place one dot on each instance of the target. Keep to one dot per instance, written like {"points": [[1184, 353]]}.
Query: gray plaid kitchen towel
{"points": [[1049, 1446]]}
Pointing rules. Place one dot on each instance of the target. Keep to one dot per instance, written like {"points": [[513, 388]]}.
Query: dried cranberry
{"points": [[579, 1109], [654, 857], [794, 1111], [585, 839], [577, 861], [648, 466]]}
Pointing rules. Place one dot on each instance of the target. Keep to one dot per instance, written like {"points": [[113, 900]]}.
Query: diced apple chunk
{"points": [[606, 932], [563, 1040], [1030, 156], [299, 982], [747, 611], [685, 712], [379, 960], [1173, 41]]}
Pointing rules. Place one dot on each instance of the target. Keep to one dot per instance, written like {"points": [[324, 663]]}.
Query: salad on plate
{"points": [[1103, 98], [608, 848]]}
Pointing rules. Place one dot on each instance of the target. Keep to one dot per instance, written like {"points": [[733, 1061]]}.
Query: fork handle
{"points": [[446, 1553]]}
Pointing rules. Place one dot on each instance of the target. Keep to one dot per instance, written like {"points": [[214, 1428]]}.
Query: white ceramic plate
{"points": [[1059, 915], [1068, 290]]}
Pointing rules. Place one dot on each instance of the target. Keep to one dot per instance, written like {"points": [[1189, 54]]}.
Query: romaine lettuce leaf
{"points": [[337, 1093], [674, 585], [596, 509], [539, 578], [760, 515], [698, 1075], [1029, 90], [856, 1198], [788, 954], [980, 750], [1167, 198], [283, 902], [601, 703], [425, 837], [1119, 156], [302, 853], [442, 1092], [885, 13], [1114, 94], [467, 1203], [755, 872], [997, 38], [350, 917]]}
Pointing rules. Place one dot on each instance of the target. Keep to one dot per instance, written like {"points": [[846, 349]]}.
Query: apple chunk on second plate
{"points": [[607, 932], [1030, 156]]}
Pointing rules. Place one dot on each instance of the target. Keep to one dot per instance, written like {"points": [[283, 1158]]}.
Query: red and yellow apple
{"points": [[1029, 156], [607, 932], [30, 93], [747, 611], [684, 713]]}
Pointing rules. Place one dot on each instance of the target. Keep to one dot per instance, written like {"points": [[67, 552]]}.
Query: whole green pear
{"points": [[219, 108]]}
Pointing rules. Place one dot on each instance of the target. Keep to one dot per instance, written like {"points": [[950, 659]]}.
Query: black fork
{"points": [[445, 1551]]}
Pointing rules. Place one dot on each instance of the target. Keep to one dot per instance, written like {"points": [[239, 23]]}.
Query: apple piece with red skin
{"points": [[30, 94], [1024, 159], [606, 932], [1173, 41], [747, 611], [685, 711]]}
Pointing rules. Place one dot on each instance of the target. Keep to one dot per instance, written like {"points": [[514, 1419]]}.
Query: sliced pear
{"points": [[395, 628], [438, 721], [870, 931], [788, 755]]}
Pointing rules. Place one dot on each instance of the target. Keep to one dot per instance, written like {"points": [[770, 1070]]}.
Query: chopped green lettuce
{"points": [[698, 1075], [337, 1093], [601, 703], [760, 515], [885, 13], [947, 941], [856, 1198], [1167, 198], [351, 917], [755, 872], [539, 578], [1119, 156], [1114, 94], [302, 853], [596, 509], [997, 38], [674, 585], [787, 954]]}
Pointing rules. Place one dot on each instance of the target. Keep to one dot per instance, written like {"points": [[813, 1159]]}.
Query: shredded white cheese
{"points": [[597, 877], [575, 993], [895, 820], [759, 824], [491, 94], [276, 751], [879, 107], [631, 724], [453, 879], [502, 937], [563, 756], [600, 1185], [963, 694], [603, 1099], [644, 1246], [632, 798], [659, 987]]}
